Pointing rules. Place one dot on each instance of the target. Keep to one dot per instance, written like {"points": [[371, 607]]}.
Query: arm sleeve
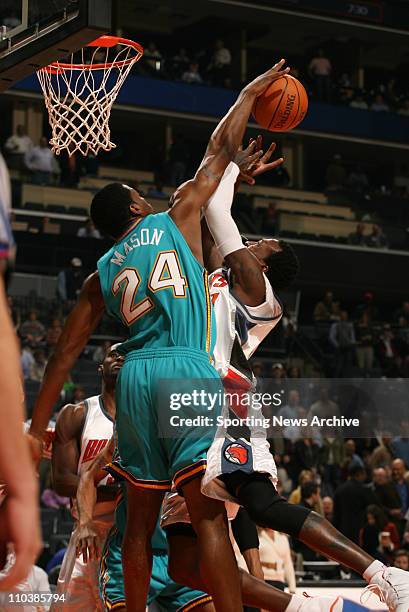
{"points": [[223, 228], [244, 531]]}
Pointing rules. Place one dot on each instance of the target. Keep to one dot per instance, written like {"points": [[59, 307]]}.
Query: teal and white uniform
{"points": [[152, 282], [167, 594]]}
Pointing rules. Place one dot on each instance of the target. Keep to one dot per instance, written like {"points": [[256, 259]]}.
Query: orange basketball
{"points": [[282, 106]]}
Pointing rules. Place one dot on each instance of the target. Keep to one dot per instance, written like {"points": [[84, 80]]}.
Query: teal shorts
{"points": [[167, 594], [159, 440]]}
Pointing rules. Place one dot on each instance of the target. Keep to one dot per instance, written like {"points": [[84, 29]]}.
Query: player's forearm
{"points": [[15, 465], [228, 135], [86, 498]]}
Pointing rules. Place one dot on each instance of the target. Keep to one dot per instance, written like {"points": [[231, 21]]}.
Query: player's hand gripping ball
{"points": [[282, 106]]}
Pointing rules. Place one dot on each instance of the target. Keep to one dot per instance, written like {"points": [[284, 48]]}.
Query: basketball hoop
{"points": [[79, 94]]}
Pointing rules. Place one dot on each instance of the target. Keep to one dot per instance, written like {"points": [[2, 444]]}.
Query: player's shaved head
{"points": [[115, 207]]}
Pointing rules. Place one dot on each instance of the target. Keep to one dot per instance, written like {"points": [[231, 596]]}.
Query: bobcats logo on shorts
{"points": [[236, 453]]}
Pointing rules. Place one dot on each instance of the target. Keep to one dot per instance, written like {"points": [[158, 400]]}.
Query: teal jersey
{"points": [[159, 542], [152, 282]]}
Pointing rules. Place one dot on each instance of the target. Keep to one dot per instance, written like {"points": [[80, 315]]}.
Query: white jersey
{"points": [[97, 432], [240, 330], [78, 581]]}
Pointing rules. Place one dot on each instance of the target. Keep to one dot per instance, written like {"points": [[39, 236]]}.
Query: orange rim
{"points": [[102, 41]]}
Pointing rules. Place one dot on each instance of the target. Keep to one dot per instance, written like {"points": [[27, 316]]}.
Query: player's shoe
{"points": [[391, 585], [322, 603]]}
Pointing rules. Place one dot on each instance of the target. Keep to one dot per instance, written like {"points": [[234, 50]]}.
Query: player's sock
{"points": [[372, 569], [295, 603]]}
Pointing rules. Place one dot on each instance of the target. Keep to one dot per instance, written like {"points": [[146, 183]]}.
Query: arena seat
{"points": [[125, 174], [318, 226], [308, 208]]}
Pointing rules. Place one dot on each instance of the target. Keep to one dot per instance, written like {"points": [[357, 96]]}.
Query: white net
{"points": [[79, 94]]}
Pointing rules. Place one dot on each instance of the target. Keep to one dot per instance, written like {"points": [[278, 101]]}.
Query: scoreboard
{"points": [[370, 11]]}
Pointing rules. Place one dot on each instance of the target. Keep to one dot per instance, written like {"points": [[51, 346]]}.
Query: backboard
{"points": [[33, 33]]}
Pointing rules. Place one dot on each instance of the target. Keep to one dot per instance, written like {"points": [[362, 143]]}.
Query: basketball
{"points": [[282, 106]]}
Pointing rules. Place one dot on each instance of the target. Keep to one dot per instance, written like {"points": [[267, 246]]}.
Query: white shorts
{"points": [[229, 454], [79, 581]]}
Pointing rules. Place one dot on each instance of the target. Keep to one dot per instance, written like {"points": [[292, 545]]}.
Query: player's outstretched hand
{"points": [[253, 161], [20, 527], [87, 542], [260, 83]]}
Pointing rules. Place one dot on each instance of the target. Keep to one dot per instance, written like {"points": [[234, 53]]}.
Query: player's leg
{"points": [[142, 517], [209, 521], [258, 495]]}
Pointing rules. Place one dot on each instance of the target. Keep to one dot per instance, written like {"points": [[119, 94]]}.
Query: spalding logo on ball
{"points": [[282, 106], [236, 453]]}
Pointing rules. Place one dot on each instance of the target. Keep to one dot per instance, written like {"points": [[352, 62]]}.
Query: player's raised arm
{"points": [[221, 150], [78, 327]]}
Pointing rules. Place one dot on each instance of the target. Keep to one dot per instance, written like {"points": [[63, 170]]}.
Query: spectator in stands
{"points": [[294, 372], [402, 313], [292, 410], [258, 369], [295, 496], [32, 331], [192, 74], [386, 494], [14, 313], [336, 174], [368, 307], [78, 394], [70, 280], [342, 338], [388, 352], [401, 485], [178, 160], [180, 63], [358, 237], [359, 102], [331, 457], [324, 407], [370, 538], [404, 109], [39, 365], [220, 65], [383, 454], [152, 58], [377, 238], [70, 170], [365, 342], [270, 219], [41, 161], [327, 309], [328, 508], [27, 361], [357, 179], [400, 444], [157, 192], [351, 457], [310, 498], [89, 230], [379, 105], [305, 452], [350, 502], [401, 559], [53, 333], [16, 148], [320, 69], [276, 561]]}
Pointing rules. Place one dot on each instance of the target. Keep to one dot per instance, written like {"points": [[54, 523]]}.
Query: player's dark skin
{"points": [[69, 427], [184, 566], [247, 266], [208, 516]]}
